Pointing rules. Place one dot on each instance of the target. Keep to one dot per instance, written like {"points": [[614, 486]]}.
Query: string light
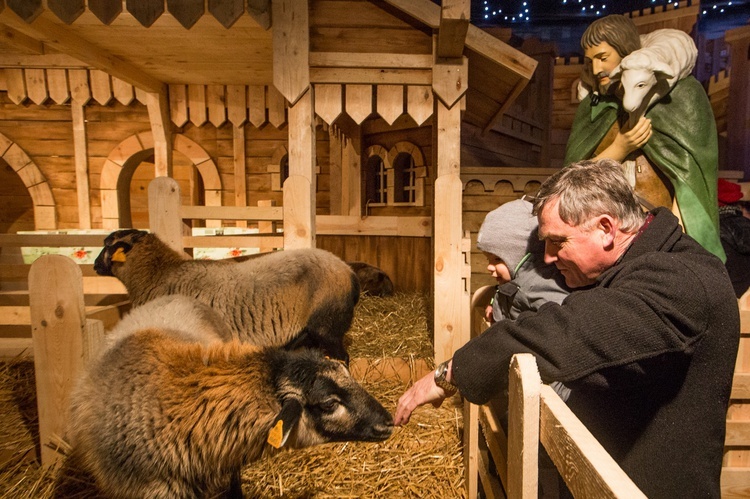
{"points": [[529, 11]]}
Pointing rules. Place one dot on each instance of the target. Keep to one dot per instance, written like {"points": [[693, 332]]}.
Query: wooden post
{"points": [[161, 128], [266, 227], [524, 387], [57, 323], [80, 150], [299, 226], [240, 185], [449, 308], [164, 216]]}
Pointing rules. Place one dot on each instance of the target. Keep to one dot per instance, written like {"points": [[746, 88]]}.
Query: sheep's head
{"points": [[321, 403], [639, 76], [116, 245]]}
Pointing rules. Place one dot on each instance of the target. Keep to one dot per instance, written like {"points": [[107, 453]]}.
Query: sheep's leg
{"points": [[235, 487]]}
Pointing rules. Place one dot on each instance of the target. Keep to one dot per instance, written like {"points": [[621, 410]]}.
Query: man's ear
{"points": [[289, 416], [608, 228]]}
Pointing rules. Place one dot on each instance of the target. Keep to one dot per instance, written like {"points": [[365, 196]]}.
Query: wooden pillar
{"points": [[161, 128], [240, 184], [80, 151], [448, 290], [335, 162], [351, 172], [164, 216], [738, 113], [57, 320], [299, 188]]}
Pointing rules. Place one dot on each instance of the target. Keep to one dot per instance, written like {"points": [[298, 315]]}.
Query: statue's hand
{"points": [[628, 141]]}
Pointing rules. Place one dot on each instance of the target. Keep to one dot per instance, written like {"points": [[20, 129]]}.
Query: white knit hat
{"points": [[509, 232]]}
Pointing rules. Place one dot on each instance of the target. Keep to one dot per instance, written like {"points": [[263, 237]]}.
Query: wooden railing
{"points": [[537, 414]]}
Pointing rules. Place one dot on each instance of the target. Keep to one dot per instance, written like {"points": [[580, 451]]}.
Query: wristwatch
{"points": [[440, 379]]}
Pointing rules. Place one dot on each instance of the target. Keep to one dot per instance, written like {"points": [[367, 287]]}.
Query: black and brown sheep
{"points": [[291, 298], [162, 413]]}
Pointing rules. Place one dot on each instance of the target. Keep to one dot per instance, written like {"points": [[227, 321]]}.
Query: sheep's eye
{"points": [[329, 405], [641, 85]]}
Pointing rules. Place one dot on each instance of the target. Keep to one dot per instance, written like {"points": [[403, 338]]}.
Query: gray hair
{"points": [[590, 188], [617, 30]]}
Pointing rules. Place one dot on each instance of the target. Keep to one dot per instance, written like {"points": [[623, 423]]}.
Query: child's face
{"points": [[497, 268]]}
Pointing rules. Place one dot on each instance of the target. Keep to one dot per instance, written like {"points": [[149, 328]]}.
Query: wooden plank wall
{"points": [[406, 260]]}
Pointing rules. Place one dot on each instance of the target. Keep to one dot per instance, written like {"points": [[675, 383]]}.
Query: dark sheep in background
{"points": [[372, 280], [291, 298], [161, 414]]}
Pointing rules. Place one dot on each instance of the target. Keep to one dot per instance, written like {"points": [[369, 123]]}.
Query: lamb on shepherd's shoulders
{"points": [[648, 74]]}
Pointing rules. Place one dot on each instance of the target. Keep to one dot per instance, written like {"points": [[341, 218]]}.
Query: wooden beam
{"points": [[500, 52], [40, 61], [63, 39], [291, 45], [477, 40], [372, 76], [16, 39], [370, 60], [157, 104], [508, 102], [454, 24]]}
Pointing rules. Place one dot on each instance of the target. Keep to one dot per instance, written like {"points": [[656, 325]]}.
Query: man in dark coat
{"points": [[647, 342]]}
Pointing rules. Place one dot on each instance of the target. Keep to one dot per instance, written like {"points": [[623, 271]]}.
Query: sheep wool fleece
{"points": [[648, 352]]}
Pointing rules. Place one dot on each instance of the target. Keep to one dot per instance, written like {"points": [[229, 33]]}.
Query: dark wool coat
{"points": [[648, 352]]}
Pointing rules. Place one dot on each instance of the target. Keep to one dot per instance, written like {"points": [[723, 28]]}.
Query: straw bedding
{"points": [[422, 459]]}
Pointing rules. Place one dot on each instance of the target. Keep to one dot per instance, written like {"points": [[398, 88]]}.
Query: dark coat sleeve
{"points": [[641, 313]]}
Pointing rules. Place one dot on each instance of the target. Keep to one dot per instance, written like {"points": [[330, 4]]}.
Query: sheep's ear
{"points": [[615, 73], [662, 70], [291, 411]]}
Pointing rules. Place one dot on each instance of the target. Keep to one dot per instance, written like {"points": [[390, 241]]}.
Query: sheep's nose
{"points": [[382, 431]]}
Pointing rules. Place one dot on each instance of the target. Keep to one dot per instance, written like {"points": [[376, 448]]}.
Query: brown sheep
{"points": [[372, 280], [291, 298], [158, 416]]}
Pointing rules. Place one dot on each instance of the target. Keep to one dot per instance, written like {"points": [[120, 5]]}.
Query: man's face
{"points": [[578, 252], [603, 58]]}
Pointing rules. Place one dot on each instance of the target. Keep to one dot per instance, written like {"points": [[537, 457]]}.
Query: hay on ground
{"points": [[422, 459]]}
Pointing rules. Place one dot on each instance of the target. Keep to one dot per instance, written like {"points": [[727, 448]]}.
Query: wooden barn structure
{"points": [[381, 130]]}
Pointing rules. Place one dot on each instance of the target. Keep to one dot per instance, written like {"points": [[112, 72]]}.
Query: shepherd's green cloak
{"points": [[684, 146]]}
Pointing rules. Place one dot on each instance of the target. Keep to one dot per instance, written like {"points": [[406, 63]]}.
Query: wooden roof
{"points": [[154, 43]]}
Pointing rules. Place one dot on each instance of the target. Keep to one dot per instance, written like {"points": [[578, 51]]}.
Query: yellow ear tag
{"points": [[119, 255], [276, 435]]}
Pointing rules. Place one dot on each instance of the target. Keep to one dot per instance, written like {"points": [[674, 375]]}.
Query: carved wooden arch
{"points": [[420, 169], [274, 167], [408, 148], [45, 213], [136, 148], [382, 153]]}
